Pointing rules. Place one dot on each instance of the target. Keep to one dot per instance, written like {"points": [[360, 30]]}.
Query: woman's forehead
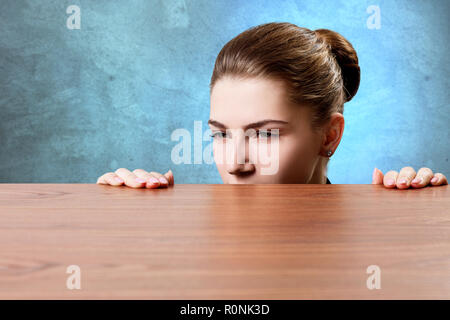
{"points": [[236, 100]]}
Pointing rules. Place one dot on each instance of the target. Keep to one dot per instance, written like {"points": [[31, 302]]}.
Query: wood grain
{"points": [[224, 241]]}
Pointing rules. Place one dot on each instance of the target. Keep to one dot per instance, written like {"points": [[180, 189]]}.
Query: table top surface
{"points": [[224, 241]]}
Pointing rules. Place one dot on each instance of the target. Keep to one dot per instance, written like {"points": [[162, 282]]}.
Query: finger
{"points": [[439, 179], [130, 178], [377, 176], [151, 180], [101, 179], [162, 179], [405, 176], [422, 178], [169, 176], [110, 178], [390, 178]]}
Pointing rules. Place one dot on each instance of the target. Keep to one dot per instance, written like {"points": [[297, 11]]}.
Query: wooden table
{"points": [[224, 241]]}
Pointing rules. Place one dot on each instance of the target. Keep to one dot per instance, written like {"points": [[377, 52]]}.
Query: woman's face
{"points": [[256, 156]]}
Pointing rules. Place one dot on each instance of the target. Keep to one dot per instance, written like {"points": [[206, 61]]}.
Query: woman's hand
{"points": [[137, 179], [407, 177]]}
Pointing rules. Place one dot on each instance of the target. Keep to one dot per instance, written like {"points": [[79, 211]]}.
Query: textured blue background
{"points": [[77, 103]]}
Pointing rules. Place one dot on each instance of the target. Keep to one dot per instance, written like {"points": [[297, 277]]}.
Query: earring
{"points": [[329, 153]]}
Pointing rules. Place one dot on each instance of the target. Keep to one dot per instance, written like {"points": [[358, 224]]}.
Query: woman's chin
{"points": [[251, 181]]}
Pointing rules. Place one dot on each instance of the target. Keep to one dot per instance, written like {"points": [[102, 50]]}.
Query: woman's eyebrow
{"points": [[216, 124], [264, 122], [250, 125]]}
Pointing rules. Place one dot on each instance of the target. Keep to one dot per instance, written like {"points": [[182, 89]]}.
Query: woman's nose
{"points": [[238, 157], [240, 169]]}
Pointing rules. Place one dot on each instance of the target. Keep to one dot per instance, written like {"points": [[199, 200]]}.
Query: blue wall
{"points": [[77, 103]]}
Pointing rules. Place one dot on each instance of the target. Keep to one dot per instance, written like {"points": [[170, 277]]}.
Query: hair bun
{"points": [[346, 57]]}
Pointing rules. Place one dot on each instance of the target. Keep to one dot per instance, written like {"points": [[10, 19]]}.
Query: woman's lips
{"points": [[243, 177]]}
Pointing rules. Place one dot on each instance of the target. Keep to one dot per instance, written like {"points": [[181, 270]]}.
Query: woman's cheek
{"points": [[294, 161], [253, 152], [219, 159], [266, 157]]}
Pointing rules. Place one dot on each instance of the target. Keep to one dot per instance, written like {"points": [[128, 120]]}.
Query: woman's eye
{"points": [[265, 133], [218, 134]]}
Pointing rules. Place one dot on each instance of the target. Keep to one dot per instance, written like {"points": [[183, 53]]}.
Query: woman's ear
{"points": [[332, 134]]}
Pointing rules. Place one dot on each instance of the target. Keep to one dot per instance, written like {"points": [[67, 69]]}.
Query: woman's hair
{"points": [[319, 68]]}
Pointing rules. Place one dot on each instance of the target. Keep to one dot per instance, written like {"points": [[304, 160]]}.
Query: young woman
{"points": [[280, 76]]}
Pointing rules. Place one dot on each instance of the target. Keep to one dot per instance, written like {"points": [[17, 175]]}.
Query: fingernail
{"points": [[417, 180], [118, 179], [140, 180], [403, 181], [390, 182], [163, 180], [435, 179], [153, 180]]}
